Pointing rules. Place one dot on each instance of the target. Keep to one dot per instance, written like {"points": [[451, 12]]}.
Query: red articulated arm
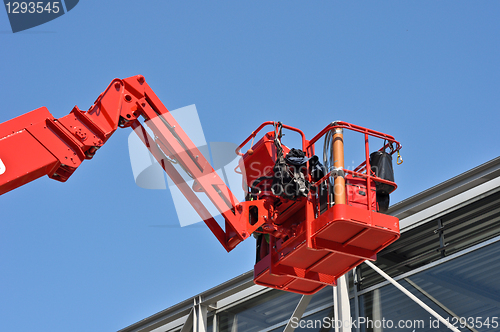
{"points": [[37, 144]]}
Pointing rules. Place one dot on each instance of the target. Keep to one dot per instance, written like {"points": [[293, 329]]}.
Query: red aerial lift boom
{"points": [[313, 222]]}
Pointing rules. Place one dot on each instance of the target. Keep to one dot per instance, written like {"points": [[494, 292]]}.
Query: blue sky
{"points": [[99, 253]]}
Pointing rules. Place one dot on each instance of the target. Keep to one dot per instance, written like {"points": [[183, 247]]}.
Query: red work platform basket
{"points": [[340, 239], [328, 239]]}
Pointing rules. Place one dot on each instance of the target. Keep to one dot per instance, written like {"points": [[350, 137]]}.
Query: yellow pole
{"points": [[338, 164]]}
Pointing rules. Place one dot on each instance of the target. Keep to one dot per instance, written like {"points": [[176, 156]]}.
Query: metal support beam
{"points": [[298, 312], [199, 315], [440, 232], [215, 327], [188, 325], [413, 297], [377, 309], [356, 277], [342, 307]]}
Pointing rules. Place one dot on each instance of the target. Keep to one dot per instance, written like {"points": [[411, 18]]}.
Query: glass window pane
{"points": [[466, 287], [321, 321], [321, 298], [258, 313]]}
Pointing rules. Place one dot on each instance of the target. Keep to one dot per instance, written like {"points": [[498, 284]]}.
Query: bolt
{"points": [[80, 134], [140, 79], [117, 85]]}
